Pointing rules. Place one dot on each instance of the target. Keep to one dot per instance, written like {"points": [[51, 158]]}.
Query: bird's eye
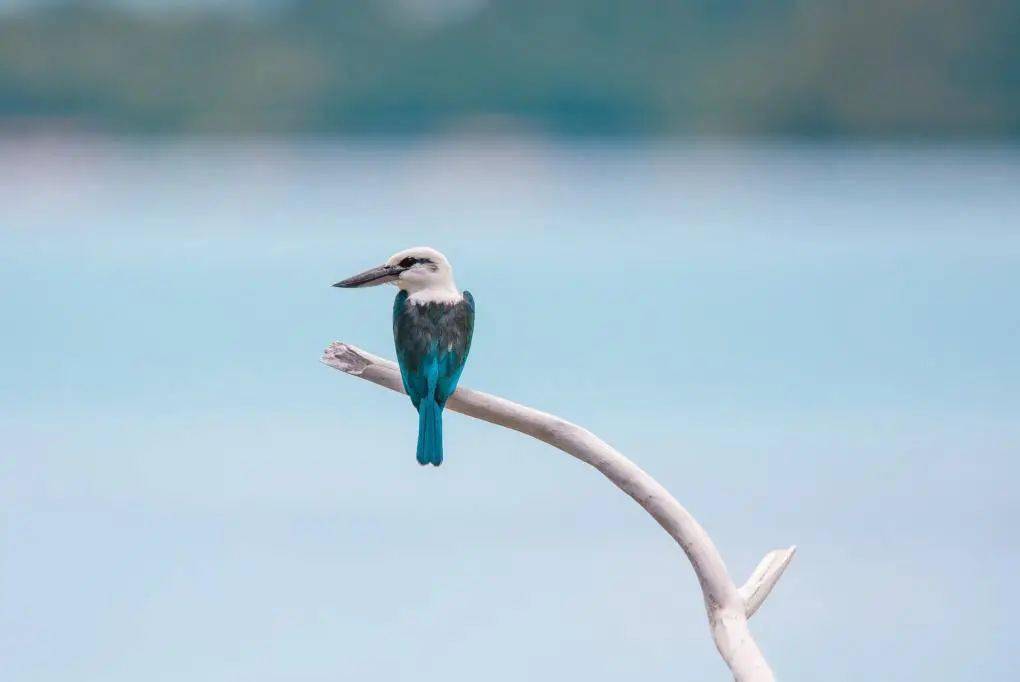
{"points": [[408, 262]]}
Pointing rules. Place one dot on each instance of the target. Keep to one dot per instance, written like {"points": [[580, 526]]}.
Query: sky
{"points": [[810, 345]]}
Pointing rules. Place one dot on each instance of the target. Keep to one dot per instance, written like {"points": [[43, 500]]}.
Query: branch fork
{"points": [[728, 606]]}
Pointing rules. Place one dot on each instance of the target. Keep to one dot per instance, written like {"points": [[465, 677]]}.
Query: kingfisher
{"points": [[433, 323]]}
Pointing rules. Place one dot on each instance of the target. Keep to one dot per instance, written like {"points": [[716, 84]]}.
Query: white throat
{"points": [[438, 291], [436, 295]]}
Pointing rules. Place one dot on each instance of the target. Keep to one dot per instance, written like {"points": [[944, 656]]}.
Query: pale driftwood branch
{"points": [[764, 578], [728, 607]]}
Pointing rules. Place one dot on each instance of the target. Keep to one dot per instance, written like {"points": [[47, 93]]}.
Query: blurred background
{"points": [[399, 67], [770, 252]]}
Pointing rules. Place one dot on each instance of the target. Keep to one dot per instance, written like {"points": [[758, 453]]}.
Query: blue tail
{"points": [[430, 432]]}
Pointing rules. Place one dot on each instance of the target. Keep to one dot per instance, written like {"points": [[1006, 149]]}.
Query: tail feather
{"points": [[430, 432]]}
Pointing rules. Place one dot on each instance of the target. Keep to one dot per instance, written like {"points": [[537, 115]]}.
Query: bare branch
{"points": [[765, 577], [728, 608]]}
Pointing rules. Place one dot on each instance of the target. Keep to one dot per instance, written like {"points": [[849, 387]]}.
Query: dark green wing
{"points": [[408, 354], [455, 343]]}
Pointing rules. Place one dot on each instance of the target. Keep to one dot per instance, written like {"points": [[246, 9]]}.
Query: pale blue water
{"points": [[810, 345]]}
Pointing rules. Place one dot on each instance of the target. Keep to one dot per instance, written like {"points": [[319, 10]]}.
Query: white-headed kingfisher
{"points": [[432, 327]]}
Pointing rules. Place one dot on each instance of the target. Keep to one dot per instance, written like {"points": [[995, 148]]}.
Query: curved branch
{"points": [[728, 607]]}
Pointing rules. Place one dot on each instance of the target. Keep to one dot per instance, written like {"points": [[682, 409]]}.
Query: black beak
{"points": [[371, 278]]}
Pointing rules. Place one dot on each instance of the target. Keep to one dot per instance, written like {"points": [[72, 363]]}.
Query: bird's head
{"points": [[416, 269]]}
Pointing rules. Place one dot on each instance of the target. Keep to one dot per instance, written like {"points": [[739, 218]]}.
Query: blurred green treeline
{"points": [[911, 68]]}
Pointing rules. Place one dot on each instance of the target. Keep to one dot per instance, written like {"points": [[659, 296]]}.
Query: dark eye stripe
{"points": [[409, 261]]}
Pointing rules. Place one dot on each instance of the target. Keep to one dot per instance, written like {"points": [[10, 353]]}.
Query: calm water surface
{"points": [[806, 344]]}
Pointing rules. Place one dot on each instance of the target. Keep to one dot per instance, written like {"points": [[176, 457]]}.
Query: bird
{"points": [[433, 323]]}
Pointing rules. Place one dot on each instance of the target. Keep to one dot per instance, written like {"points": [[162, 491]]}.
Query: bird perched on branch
{"points": [[432, 327]]}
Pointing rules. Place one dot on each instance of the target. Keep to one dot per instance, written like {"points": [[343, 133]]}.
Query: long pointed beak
{"points": [[371, 278]]}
